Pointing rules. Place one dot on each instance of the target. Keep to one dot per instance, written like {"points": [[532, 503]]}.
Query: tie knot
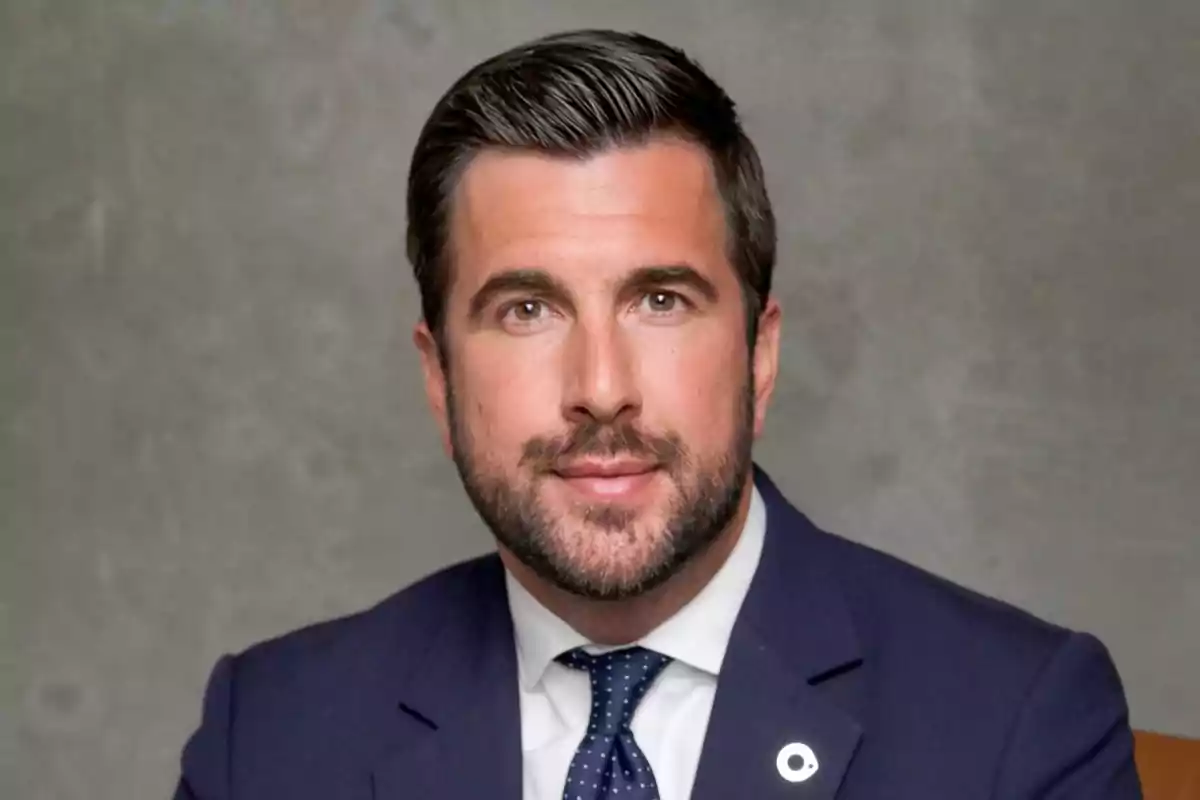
{"points": [[620, 679]]}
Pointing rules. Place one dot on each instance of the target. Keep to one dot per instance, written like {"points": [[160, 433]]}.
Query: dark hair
{"points": [[575, 94]]}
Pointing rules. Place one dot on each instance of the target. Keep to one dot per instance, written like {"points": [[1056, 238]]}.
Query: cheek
{"points": [[504, 398], [694, 389]]}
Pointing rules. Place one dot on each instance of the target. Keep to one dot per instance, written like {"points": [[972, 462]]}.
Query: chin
{"points": [[599, 560], [620, 582]]}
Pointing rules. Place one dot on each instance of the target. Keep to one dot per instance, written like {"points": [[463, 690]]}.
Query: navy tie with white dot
{"points": [[609, 764]]}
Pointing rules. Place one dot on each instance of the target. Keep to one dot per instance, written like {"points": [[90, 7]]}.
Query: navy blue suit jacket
{"points": [[905, 686]]}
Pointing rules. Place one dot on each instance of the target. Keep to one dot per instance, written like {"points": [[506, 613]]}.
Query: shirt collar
{"points": [[696, 635]]}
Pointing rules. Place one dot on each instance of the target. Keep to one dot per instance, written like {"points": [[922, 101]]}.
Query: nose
{"points": [[601, 375]]}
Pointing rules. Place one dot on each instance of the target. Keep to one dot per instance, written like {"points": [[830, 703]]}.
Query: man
{"points": [[594, 244]]}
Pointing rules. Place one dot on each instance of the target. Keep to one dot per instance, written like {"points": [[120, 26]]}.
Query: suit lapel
{"points": [[793, 633], [460, 709], [754, 719]]}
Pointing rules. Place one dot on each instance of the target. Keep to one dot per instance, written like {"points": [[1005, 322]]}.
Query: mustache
{"points": [[604, 440]]}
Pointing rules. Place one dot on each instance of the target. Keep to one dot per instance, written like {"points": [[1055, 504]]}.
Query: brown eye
{"points": [[527, 315], [661, 302], [526, 310]]}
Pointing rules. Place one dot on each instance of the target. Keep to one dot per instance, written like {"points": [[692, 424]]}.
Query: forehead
{"points": [[655, 202]]}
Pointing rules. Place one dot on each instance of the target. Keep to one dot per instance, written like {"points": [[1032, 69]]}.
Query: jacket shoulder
{"points": [[1012, 695], [399, 624], [894, 601], [322, 694]]}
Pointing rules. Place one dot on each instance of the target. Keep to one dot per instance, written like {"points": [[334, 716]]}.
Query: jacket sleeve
{"points": [[205, 770], [1072, 739]]}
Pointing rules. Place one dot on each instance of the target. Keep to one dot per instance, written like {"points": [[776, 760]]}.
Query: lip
{"points": [[591, 469], [608, 480]]}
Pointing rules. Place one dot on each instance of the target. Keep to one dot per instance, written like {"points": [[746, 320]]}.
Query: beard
{"points": [[708, 493]]}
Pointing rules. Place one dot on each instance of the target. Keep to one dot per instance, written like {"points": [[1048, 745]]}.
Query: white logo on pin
{"points": [[808, 763]]}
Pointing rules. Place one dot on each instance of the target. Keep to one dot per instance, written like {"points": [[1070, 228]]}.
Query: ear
{"points": [[766, 361], [436, 380]]}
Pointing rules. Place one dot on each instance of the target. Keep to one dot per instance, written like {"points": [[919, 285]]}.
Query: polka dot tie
{"points": [[609, 764]]}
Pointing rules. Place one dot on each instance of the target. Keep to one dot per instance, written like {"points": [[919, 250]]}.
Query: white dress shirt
{"points": [[670, 723]]}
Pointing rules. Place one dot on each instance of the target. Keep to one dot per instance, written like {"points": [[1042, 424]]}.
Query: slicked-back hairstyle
{"points": [[574, 95]]}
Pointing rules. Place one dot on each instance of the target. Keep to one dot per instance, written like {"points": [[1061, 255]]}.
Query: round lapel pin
{"points": [[796, 762]]}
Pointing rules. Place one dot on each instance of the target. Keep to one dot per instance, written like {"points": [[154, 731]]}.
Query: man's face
{"points": [[598, 393]]}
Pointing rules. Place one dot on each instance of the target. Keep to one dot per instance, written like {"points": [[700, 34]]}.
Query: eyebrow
{"points": [[539, 282], [529, 281], [672, 275]]}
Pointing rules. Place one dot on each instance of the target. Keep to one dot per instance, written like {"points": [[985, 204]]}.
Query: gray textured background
{"points": [[211, 429]]}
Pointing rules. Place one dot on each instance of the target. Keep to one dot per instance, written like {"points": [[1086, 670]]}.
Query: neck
{"points": [[620, 622]]}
